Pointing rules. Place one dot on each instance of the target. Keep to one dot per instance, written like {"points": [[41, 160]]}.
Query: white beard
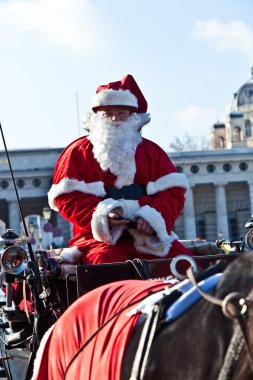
{"points": [[114, 145]]}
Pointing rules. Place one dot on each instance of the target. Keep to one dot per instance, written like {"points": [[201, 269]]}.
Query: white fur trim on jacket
{"points": [[114, 98], [130, 207], [158, 245], [99, 222], [71, 254], [168, 181], [67, 185]]}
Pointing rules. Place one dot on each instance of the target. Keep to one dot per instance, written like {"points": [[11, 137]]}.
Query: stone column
{"points": [[251, 196], [189, 217], [14, 216], [221, 212]]}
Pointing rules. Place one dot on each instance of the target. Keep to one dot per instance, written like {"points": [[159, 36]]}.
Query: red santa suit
{"points": [[79, 193], [79, 189]]}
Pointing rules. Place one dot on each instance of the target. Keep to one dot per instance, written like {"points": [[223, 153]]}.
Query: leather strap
{"points": [[147, 336]]}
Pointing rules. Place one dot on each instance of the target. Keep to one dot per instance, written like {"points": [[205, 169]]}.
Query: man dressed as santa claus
{"points": [[114, 176]]}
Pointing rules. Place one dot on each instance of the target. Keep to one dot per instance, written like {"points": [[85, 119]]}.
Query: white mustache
{"points": [[112, 123]]}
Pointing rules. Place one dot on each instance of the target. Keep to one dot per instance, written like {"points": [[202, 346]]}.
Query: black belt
{"points": [[133, 192]]}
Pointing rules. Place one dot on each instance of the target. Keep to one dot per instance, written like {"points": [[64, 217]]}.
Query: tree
{"points": [[189, 143]]}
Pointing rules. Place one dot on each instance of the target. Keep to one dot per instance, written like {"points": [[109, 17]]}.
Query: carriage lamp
{"points": [[10, 238], [249, 223], [249, 235], [249, 239], [14, 259]]}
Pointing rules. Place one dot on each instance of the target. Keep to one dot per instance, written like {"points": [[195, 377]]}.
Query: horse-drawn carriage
{"points": [[108, 321], [36, 290]]}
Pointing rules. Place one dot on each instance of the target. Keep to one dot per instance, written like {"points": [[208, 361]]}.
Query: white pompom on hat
{"points": [[124, 93]]}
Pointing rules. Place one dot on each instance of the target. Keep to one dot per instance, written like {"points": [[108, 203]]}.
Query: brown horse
{"points": [[193, 347]]}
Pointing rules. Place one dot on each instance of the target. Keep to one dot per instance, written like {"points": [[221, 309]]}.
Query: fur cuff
{"points": [[70, 255], [168, 181], [99, 223], [155, 219], [67, 185], [158, 245], [130, 207]]}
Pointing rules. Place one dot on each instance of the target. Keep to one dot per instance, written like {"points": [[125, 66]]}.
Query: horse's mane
{"points": [[238, 277]]}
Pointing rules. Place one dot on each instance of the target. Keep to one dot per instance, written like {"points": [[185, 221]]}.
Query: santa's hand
{"points": [[115, 217], [144, 227]]}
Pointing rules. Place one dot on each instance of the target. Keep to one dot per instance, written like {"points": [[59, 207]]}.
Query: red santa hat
{"points": [[124, 93]]}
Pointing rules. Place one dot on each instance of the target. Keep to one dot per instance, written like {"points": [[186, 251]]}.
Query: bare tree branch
{"points": [[189, 143]]}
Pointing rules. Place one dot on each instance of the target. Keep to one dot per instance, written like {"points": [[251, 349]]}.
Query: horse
{"points": [[195, 346], [206, 342]]}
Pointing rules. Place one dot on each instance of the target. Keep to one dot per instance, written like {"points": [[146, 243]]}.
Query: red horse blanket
{"points": [[102, 357]]}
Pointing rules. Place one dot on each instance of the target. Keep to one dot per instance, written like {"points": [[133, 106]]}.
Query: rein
{"points": [[235, 307], [145, 342]]}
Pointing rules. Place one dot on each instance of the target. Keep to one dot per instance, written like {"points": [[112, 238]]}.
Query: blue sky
{"points": [[188, 57]]}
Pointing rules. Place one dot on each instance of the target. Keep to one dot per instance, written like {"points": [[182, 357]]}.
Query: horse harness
{"points": [[151, 328], [233, 306]]}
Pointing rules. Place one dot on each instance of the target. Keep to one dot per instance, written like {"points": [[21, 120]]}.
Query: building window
{"points": [[4, 184], [220, 143], [227, 167], [233, 228], [237, 134], [36, 182], [243, 166], [20, 183], [248, 128], [194, 169], [210, 168], [201, 229], [179, 169]]}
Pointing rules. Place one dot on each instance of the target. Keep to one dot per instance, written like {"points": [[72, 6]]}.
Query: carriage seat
{"points": [[80, 279], [103, 273], [196, 247]]}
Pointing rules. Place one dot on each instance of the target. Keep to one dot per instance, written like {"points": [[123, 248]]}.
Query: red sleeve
{"points": [[170, 202], [76, 163], [78, 208]]}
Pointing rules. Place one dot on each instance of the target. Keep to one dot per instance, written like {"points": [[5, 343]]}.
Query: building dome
{"points": [[218, 125], [235, 114], [237, 131], [244, 96]]}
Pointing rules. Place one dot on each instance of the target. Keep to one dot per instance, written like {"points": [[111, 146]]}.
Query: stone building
{"points": [[236, 131], [33, 170], [218, 204], [220, 199]]}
